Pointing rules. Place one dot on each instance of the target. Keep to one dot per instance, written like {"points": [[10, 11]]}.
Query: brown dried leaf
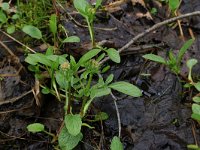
{"points": [[139, 1], [147, 15]]}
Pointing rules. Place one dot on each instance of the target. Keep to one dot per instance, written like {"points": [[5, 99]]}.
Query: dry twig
{"points": [[153, 28]]}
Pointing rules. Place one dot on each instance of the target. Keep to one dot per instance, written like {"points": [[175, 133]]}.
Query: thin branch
{"points": [[118, 115], [153, 28], [31, 50]]}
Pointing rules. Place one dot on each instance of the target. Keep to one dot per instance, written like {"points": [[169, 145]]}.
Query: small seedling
{"points": [[173, 62], [88, 12], [38, 127]]}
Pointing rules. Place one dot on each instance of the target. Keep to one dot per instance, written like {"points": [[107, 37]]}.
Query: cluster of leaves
{"points": [[67, 83], [196, 99], [173, 62], [6, 14]]}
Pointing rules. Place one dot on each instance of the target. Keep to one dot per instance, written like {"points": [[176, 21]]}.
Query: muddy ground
{"points": [[159, 120]]}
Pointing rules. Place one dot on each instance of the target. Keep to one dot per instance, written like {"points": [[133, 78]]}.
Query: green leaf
{"points": [[88, 56], [183, 49], [45, 90], [101, 116], [98, 3], [126, 88], [105, 69], [197, 86], [155, 58], [195, 116], [73, 124], [61, 80], [190, 63], [81, 6], [72, 39], [174, 4], [32, 31], [53, 24], [60, 58], [116, 144], [100, 92], [196, 99], [34, 59], [196, 109], [35, 127], [10, 29], [67, 141], [49, 51], [109, 79], [15, 16], [5, 6], [113, 55], [193, 147], [3, 18]]}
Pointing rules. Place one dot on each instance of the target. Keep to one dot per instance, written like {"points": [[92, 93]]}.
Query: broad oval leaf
{"points": [[190, 63], [116, 144], [5, 6], [101, 116], [196, 99], [35, 127], [61, 80], [3, 18], [10, 29], [71, 39], [32, 31], [174, 4], [196, 109], [113, 54], [67, 141], [126, 88], [34, 59], [197, 86], [100, 92], [73, 124], [88, 56], [195, 116], [155, 58], [81, 6]]}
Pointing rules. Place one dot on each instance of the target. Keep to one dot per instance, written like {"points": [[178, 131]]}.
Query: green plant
{"points": [[76, 81], [193, 147], [196, 99], [88, 12], [68, 84], [38, 127], [173, 4], [7, 13], [173, 62]]}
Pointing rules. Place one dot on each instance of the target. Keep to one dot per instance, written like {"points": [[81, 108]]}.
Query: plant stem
{"points": [[85, 97], [91, 30], [89, 81]]}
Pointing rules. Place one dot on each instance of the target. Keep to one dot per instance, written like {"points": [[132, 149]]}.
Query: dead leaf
{"points": [[139, 1]]}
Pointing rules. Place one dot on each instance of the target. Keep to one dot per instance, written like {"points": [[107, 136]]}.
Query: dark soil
{"points": [[159, 120]]}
